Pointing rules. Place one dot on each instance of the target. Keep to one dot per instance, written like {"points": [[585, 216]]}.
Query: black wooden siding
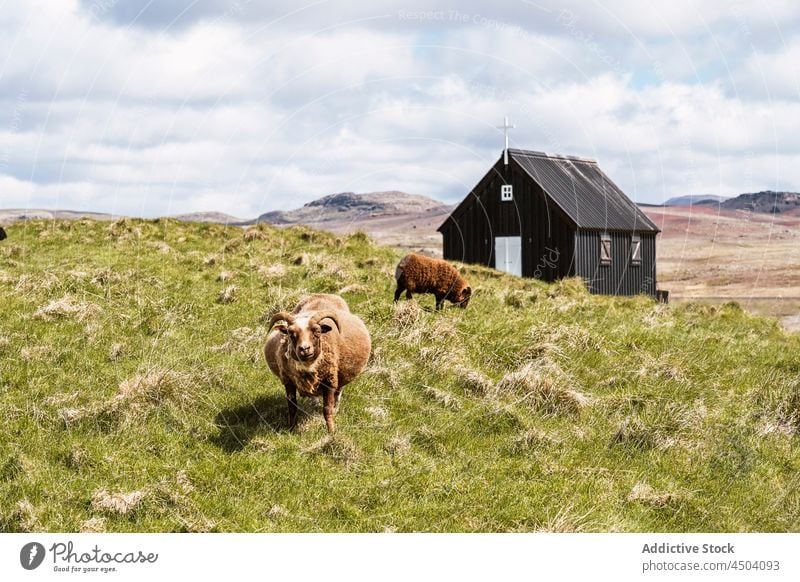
{"points": [[548, 241], [620, 277], [552, 246], [546, 235]]}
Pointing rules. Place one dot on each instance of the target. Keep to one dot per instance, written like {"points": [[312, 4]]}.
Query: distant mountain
{"points": [[10, 215], [393, 218], [767, 201], [215, 217], [692, 199], [348, 206]]}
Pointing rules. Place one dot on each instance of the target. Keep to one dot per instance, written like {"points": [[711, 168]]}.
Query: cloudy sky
{"points": [[155, 107]]}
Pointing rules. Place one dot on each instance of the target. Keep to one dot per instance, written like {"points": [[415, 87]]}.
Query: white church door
{"points": [[508, 254]]}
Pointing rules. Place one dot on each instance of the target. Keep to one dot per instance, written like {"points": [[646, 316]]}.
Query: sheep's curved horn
{"points": [[281, 316], [327, 314]]}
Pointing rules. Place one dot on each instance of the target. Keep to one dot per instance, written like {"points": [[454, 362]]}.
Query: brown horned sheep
{"points": [[420, 274], [317, 350]]}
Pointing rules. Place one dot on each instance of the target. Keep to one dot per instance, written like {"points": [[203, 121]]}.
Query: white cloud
{"points": [[239, 109], [772, 75]]}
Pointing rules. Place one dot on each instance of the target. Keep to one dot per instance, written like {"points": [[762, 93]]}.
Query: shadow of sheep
{"points": [[239, 425]]}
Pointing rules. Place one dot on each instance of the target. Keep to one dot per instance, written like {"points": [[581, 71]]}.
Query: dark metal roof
{"points": [[583, 191]]}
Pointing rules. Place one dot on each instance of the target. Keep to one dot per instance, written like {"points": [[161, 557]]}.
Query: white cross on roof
{"points": [[505, 127]]}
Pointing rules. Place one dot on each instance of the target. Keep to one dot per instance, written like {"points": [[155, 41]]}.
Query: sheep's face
{"points": [[304, 337], [464, 297]]}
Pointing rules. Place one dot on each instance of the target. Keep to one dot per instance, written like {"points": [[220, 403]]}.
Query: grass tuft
{"points": [[22, 518], [339, 449], [228, 295], [406, 314], [442, 397], [378, 413], [252, 234], [116, 502], [644, 494], [531, 440], [66, 307], [137, 397], [777, 403], [272, 272], [116, 351], [398, 445], [545, 386], [93, 525], [472, 380]]}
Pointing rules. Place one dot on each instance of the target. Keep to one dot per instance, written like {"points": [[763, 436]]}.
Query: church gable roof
{"points": [[583, 191]]}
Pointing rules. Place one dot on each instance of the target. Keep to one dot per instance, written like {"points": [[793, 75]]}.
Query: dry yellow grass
{"points": [[66, 307], [116, 502], [544, 385]]}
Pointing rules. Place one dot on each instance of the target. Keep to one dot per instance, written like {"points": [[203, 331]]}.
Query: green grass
{"points": [[135, 397]]}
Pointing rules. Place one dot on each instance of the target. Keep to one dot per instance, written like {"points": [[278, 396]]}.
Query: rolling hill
{"points": [[349, 207], [692, 199], [11, 215], [135, 396], [766, 201], [212, 217], [394, 218]]}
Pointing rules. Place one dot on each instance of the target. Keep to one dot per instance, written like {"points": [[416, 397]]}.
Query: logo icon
{"points": [[31, 555]]}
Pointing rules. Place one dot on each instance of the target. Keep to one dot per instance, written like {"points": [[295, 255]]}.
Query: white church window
{"points": [[636, 250], [605, 250]]}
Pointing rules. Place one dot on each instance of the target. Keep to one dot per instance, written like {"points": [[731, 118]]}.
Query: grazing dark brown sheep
{"points": [[316, 350], [420, 274]]}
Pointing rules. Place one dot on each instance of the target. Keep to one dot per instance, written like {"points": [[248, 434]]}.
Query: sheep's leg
{"points": [[329, 406], [439, 302], [291, 400], [401, 286]]}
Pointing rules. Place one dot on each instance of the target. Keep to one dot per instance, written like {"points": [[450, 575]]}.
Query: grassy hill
{"points": [[135, 397]]}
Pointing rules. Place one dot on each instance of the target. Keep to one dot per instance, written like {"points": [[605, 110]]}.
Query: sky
{"points": [[159, 107]]}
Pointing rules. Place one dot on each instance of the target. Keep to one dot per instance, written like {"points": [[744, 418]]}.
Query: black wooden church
{"points": [[552, 216]]}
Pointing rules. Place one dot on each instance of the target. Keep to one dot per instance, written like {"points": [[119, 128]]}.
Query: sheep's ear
{"points": [[281, 327], [468, 291], [325, 327]]}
